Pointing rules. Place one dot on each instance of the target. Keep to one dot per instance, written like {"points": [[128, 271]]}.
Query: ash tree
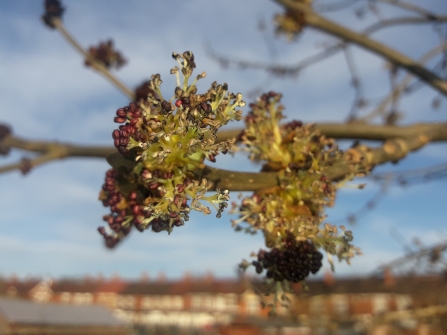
{"points": [[167, 139]]}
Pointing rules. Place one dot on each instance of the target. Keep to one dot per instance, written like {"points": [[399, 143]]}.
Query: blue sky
{"points": [[48, 218]]}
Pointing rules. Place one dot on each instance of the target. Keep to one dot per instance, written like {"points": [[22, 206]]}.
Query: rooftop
{"points": [[27, 312]]}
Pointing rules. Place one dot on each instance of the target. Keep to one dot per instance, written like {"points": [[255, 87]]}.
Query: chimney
{"points": [[144, 278], [208, 278], [161, 277], [187, 278], [88, 279], [115, 278], [388, 277], [13, 279], [100, 278], [328, 279]]}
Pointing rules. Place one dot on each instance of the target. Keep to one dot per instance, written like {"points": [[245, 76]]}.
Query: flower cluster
{"points": [[142, 91], [161, 143], [106, 55], [294, 209], [53, 10], [293, 263], [290, 25]]}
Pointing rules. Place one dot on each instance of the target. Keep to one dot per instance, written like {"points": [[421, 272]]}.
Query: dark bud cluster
{"points": [[328, 188], [293, 263], [4, 132], [143, 91], [292, 125], [112, 197], [290, 24], [190, 64], [110, 240], [25, 166], [269, 96], [153, 181], [131, 211], [53, 9], [256, 115], [262, 104], [130, 115], [106, 55]]}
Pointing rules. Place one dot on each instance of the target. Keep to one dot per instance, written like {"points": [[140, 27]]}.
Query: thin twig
{"points": [[95, 64], [293, 70], [400, 88], [411, 256], [352, 218], [364, 131], [401, 21], [411, 7], [330, 7], [393, 115], [355, 82], [31, 163], [320, 23], [414, 175], [71, 150], [366, 158], [50, 151]]}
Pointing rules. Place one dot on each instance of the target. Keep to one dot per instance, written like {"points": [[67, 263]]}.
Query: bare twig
{"points": [[364, 131], [353, 217], [94, 63], [31, 163], [318, 22], [355, 82], [401, 87], [400, 141], [411, 7], [330, 7], [293, 70], [50, 151], [71, 150], [414, 175], [409, 257], [401, 21], [365, 158]]}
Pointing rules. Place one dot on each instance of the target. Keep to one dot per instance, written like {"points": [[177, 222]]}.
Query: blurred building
{"points": [[380, 306], [18, 316]]}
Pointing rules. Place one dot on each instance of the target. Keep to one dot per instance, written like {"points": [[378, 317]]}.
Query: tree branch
{"points": [[291, 70], [412, 8], [49, 151], [358, 158], [318, 22], [400, 88], [409, 257], [399, 141], [399, 21], [330, 7], [364, 131], [70, 150], [95, 64], [408, 177]]}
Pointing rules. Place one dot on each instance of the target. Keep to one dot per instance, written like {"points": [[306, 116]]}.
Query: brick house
{"points": [[25, 317], [208, 302]]}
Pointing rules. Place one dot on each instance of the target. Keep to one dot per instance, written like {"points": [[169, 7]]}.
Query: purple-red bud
{"points": [[118, 119], [121, 112]]}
